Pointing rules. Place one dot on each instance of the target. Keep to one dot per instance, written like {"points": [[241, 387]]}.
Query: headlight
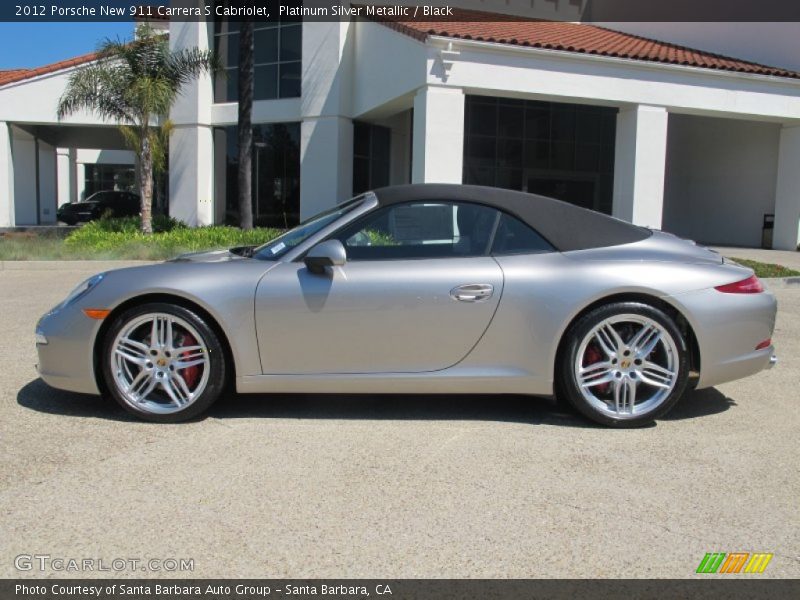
{"points": [[80, 290]]}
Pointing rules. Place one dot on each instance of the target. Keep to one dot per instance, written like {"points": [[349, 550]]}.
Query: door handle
{"points": [[472, 292]]}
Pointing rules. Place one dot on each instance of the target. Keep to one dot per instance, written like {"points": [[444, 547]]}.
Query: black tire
{"points": [[566, 383], [217, 364]]}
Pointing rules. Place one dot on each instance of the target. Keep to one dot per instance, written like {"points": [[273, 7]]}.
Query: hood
{"points": [[207, 257]]}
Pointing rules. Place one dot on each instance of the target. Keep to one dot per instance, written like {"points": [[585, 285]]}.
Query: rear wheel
{"points": [[163, 363], [624, 365]]}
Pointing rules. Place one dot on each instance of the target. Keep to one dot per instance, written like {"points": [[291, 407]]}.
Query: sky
{"points": [[27, 45]]}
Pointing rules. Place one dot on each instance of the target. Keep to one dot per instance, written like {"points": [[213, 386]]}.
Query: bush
{"points": [[122, 237], [161, 224]]}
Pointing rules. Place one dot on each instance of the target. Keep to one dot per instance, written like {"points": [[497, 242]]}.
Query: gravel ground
{"points": [[389, 486]]}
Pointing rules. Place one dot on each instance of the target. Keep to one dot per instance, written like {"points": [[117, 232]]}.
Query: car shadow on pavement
{"points": [[38, 396], [700, 403], [399, 407]]}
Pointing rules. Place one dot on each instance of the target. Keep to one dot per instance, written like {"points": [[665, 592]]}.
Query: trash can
{"points": [[766, 231]]}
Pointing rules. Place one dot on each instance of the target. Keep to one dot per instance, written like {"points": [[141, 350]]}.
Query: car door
{"points": [[417, 292], [102, 206]]}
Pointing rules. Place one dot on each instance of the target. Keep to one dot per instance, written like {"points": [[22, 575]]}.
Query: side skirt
{"points": [[449, 381]]}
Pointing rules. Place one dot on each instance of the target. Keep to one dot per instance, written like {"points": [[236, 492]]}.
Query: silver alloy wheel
{"points": [[151, 360], [627, 366]]}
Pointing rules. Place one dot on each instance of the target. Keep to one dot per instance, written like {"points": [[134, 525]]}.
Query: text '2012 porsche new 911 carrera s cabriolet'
{"points": [[421, 289]]}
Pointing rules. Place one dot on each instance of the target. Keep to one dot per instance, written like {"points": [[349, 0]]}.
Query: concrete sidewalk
{"points": [[785, 258]]}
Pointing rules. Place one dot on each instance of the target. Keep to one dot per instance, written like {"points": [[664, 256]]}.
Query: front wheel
{"points": [[163, 363], [624, 365]]}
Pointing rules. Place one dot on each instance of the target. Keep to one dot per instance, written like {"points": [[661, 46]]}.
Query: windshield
{"points": [[282, 244]]}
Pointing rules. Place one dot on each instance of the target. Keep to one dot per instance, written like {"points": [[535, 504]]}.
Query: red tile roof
{"points": [[506, 29], [581, 38], [15, 75], [11, 72]]}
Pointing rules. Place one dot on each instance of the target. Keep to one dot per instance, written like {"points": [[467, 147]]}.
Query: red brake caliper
{"points": [[591, 356], [190, 374]]}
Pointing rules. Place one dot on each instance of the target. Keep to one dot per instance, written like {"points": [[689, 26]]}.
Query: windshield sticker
{"points": [[278, 248]]}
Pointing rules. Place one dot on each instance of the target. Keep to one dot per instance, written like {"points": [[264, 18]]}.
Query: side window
{"points": [[515, 237], [421, 230]]}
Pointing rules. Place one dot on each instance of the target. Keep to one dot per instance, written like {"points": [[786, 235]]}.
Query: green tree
{"points": [[135, 83]]}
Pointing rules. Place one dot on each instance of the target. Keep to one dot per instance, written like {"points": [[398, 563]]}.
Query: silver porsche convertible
{"points": [[421, 289]]}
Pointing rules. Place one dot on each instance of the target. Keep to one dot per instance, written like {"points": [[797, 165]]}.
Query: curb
{"points": [[66, 265]]}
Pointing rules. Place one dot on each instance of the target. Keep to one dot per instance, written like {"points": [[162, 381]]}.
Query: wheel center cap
{"points": [[625, 363], [161, 362]]}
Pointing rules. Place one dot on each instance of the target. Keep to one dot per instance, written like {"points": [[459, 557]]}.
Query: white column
{"points": [[80, 181], [326, 163], [438, 152], [326, 130], [786, 235], [6, 177], [191, 175], [191, 147], [73, 175], [64, 175], [25, 181], [640, 160]]}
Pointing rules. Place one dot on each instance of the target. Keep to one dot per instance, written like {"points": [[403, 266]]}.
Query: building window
{"points": [[564, 151], [276, 174], [277, 60], [104, 177], [371, 156]]}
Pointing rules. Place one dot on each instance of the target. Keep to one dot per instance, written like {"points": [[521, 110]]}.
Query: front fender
{"points": [[224, 290]]}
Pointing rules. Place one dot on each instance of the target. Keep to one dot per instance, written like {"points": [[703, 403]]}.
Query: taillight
{"points": [[751, 285], [765, 344]]}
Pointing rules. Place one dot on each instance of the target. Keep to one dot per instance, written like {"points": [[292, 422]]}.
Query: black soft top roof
{"points": [[566, 226]]}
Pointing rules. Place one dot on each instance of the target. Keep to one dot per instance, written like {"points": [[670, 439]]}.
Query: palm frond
{"points": [[130, 136], [98, 88], [159, 143], [187, 65]]}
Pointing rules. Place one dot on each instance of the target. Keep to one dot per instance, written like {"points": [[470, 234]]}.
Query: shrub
{"points": [[161, 224], [122, 237]]}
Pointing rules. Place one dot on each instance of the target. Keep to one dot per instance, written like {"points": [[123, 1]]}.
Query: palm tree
{"points": [[135, 83], [245, 124]]}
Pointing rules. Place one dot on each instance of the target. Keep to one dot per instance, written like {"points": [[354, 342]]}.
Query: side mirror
{"points": [[325, 254]]}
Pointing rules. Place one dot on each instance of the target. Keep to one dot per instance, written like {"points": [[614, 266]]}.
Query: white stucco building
{"points": [[684, 140]]}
